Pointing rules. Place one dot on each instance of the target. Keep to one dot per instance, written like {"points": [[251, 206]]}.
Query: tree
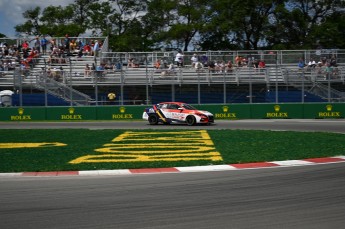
{"points": [[120, 20], [188, 21], [297, 25], [175, 23], [81, 9], [135, 25], [240, 24], [216, 34], [31, 26], [57, 20], [157, 22], [331, 33]]}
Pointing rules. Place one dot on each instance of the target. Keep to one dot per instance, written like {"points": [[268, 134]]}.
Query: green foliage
{"points": [[31, 26], [135, 25], [331, 33]]}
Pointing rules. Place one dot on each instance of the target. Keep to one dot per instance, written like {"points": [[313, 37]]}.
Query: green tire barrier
{"points": [[225, 111]]}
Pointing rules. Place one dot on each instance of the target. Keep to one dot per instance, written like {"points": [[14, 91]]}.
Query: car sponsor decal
{"points": [[160, 114], [178, 116]]}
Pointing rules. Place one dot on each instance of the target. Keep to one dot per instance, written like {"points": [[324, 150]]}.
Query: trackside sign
{"points": [[132, 112]]}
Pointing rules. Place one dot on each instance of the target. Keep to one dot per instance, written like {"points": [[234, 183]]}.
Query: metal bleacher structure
{"points": [[70, 83]]}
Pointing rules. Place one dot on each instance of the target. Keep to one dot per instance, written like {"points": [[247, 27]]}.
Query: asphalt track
{"points": [[284, 197], [324, 125]]}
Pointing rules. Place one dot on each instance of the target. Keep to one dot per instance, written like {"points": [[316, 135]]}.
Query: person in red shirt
{"points": [[87, 49], [158, 64], [25, 45], [262, 64], [238, 61]]}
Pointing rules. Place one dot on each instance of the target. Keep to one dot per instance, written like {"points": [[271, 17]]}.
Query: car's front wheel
{"points": [[190, 120], [153, 119]]}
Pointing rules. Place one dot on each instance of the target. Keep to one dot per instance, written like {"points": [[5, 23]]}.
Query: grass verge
{"points": [[27, 150]]}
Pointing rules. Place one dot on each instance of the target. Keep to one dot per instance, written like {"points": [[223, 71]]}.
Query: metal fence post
{"points": [[199, 94], [224, 88], [277, 94], [70, 82], [303, 87], [44, 73]]}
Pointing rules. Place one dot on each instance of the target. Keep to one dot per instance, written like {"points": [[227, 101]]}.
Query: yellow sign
{"points": [[71, 115], [329, 113], [277, 113], [20, 116], [226, 114], [122, 115], [155, 146], [14, 145]]}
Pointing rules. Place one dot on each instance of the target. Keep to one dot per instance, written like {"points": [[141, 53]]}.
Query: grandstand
{"points": [[48, 82]]}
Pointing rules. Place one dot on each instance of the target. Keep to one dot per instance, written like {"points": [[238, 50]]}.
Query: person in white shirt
{"points": [[194, 60], [199, 67], [96, 48], [179, 59], [311, 63]]}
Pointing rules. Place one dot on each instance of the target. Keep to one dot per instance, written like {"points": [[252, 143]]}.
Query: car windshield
{"points": [[188, 107]]}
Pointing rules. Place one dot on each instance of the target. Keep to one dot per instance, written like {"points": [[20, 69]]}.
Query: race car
{"points": [[176, 112]]}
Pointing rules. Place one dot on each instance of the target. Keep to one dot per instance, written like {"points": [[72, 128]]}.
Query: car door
{"points": [[176, 112]]}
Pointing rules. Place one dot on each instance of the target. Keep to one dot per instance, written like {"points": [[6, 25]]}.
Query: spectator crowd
{"points": [[28, 51]]}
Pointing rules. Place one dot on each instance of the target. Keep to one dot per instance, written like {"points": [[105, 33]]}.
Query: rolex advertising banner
{"points": [[324, 111], [226, 111], [22, 114], [229, 111], [119, 113], [277, 111], [71, 113]]}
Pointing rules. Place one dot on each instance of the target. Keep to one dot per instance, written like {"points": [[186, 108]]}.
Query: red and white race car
{"points": [[176, 112]]}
